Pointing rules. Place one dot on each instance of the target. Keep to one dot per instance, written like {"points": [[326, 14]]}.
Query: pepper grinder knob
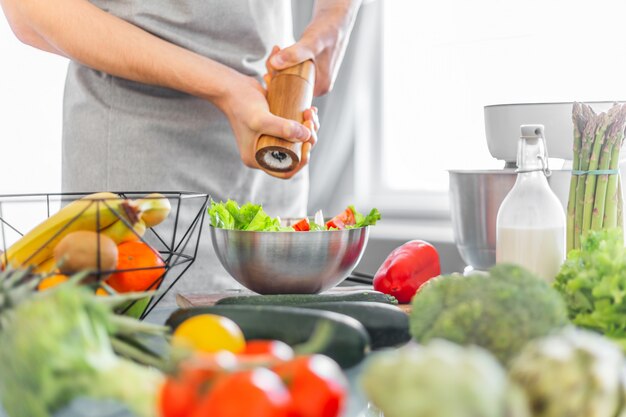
{"points": [[289, 94]]}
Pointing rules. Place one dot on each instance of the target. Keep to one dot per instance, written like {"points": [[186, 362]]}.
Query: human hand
{"points": [[324, 41], [245, 105]]}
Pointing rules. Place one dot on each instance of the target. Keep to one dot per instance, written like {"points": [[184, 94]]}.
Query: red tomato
{"points": [[302, 226], [181, 392], [140, 266], [317, 385], [343, 219], [406, 269], [258, 392], [272, 349]]}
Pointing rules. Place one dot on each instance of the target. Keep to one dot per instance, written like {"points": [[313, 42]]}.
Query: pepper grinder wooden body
{"points": [[289, 94]]}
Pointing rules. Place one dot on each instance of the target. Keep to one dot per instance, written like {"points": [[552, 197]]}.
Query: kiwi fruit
{"points": [[85, 250]]}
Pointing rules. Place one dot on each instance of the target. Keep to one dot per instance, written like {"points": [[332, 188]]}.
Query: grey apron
{"points": [[123, 135]]}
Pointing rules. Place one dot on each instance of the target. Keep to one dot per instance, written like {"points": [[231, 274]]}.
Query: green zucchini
{"points": [[348, 344], [299, 299], [386, 325]]}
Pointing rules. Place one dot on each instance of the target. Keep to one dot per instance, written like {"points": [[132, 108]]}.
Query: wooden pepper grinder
{"points": [[289, 94]]}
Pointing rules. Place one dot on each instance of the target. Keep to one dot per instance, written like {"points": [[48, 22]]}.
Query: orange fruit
{"points": [[52, 281], [140, 268]]}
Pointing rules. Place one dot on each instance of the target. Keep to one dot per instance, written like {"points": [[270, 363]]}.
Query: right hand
{"points": [[245, 105]]}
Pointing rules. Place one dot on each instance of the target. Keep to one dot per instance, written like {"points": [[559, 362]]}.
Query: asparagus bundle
{"points": [[595, 198]]}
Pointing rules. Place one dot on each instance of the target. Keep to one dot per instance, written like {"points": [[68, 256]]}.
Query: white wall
{"points": [[31, 93]]}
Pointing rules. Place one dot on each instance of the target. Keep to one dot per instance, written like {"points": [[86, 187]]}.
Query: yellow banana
{"points": [[92, 212], [119, 232], [154, 208], [46, 266]]}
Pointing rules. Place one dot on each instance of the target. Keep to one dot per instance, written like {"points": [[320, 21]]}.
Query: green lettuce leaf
{"points": [[261, 222], [220, 216], [362, 221]]}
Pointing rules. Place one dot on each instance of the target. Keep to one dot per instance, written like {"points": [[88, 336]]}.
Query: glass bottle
{"points": [[530, 227]]}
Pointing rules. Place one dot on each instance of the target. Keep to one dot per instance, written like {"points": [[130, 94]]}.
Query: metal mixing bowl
{"points": [[475, 197], [289, 262]]}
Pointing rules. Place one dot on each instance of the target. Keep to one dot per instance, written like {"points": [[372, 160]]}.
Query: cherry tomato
{"points": [[302, 226], [209, 333], [181, 392], [406, 269], [343, 219], [140, 266], [272, 349], [258, 392], [317, 385]]}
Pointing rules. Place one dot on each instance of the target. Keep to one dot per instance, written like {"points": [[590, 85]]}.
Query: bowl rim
{"points": [[290, 232]]}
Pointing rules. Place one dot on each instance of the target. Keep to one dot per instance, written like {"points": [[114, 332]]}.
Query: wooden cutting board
{"points": [[204, 300]]}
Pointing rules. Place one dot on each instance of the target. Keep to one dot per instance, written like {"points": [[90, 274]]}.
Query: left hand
{"points": [[324, 41]]}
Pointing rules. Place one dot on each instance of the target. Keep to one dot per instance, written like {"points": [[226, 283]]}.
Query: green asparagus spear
{"points": [[585, 153], [612, 140], [613, 187], [620, 204], [579, 124], [604, 120]]}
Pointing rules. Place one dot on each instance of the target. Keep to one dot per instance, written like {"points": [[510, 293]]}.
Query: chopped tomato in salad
{"points": [[340, 221], [302, 226]]}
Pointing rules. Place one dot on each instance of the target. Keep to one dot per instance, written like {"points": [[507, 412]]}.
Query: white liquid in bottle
{"points": [[530, 228], [541, 251]]}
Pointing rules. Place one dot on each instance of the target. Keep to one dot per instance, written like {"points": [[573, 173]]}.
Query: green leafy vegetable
{"points": [[220, 216], [593, 282], [362, 221]]}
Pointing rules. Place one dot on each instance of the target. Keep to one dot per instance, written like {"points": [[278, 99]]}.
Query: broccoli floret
{"points": [[500, 311]]}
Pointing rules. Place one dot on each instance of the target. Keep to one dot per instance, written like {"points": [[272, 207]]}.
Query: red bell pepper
{"points": [[406, 269]]}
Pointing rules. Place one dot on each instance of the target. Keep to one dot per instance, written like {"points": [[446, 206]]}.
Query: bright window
{"points": [[31, 96], [444, 60]]}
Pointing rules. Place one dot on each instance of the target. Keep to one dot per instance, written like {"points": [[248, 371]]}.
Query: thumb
{"points": [[295, 54]]}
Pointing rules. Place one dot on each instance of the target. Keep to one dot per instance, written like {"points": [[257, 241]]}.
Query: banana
{"points": [[119, 232], [93, 212], [154, 208], [46, 267]]}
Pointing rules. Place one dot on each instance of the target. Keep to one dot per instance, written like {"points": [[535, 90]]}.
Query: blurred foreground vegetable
{"points": [[573, 373], [441, 379], [58, 345], [500, 312], [593, 284]]}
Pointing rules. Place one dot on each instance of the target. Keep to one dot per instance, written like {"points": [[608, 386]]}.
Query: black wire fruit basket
{"points": [[168, 223]]}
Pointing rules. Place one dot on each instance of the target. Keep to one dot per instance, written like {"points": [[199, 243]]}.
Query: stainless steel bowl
{"points": [[289, 262], [475, 197]]}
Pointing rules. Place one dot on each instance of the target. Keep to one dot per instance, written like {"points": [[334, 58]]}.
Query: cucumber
{"points": [[299, 299], [348, 345], [386, 325]]}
